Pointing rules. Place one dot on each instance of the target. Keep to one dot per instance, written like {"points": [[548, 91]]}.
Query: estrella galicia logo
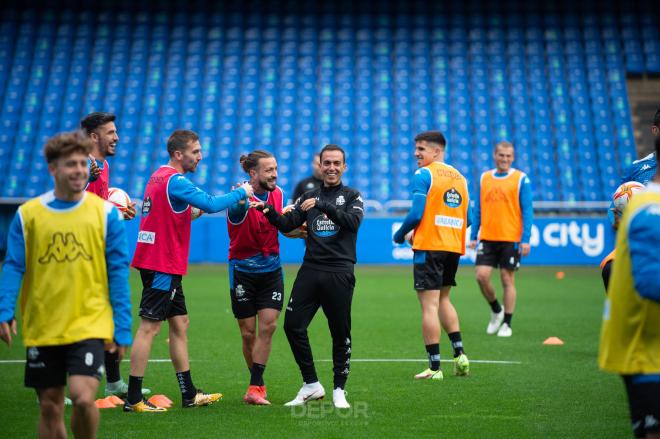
{"points": [[146, 206], [64, 248], [324, 227], [453, 198]]}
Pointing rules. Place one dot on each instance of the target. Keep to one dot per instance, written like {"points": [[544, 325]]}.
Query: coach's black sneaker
{"points": [[201, 399], [142, 407]]}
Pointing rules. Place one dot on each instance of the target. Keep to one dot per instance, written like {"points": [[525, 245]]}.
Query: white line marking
{"points": [[325, 360], [422, 360]]}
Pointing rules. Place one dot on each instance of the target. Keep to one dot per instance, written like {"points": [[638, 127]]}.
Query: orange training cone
{"points": [[161, 401], [553, 341], [103, 404], [114, 399]]}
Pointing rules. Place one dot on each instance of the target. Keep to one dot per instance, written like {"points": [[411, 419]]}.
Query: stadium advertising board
{"points": [[555, 241]]}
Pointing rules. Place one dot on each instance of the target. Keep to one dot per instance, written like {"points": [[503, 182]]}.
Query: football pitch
{"points": [[518, 387]]}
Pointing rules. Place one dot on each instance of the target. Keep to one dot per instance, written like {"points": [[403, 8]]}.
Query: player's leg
{"points": [[509, 263], [45, 371], [84, 362], [448, 314], [267, 324], [177, 318], [427, 278], [242, 295], [248, 328], [153, 311], [487, 254], [302, 306], [268, 301], [51, 412], [85, 416], [509, 284], [336, 300]]}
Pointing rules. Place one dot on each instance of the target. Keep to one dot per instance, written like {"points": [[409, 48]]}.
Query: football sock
{"points": [[456, 343], [134, 389], [507, 319], [495, 306], [186, 385], [112, 367], [257, 374], [434, 356]]}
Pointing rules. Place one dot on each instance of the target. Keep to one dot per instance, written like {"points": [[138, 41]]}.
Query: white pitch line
{"points": [[415, 360], [154, 360], [325, 360]]}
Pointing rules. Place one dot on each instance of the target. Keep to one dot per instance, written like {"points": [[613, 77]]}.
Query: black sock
{"points": [[456, 343], [112, 367], [257, 374], [134, 389], [186, 386], [507, 319], [434, 356], [495, 306]]}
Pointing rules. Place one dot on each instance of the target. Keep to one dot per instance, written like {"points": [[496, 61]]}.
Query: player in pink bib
{"points": [[255, 276], [161, 256]]}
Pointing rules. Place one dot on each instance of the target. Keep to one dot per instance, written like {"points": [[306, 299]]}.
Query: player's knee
{"points": [[83, 401], [267, 327], [483, 278], [248, 335], [149, 328], [51, 409]]}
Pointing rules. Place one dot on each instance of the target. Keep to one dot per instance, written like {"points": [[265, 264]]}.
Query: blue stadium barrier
{"points": [[555, 241]]}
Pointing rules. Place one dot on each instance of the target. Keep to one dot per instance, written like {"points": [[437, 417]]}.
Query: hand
{"points": [[114, 347], [260, 206], [94, 169], [308, 204], [129, 213], [473, 244], [524, 249], [248, 189], [6, 328]]}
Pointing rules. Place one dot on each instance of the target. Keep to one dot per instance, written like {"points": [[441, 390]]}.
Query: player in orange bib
{"points": [[439, 216], [503, 212]]}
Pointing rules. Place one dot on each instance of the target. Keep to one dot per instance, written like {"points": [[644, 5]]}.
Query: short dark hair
{"points": [[251, 160], [179, 140], [656, 118], [504, 144], [432, 137], [93, 121], [657, 147], [65, 144], [332, 147]]}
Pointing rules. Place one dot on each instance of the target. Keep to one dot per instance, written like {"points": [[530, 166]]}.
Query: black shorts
{"points": [[251, 292], [500, 254], [48, 366], [160, 301], [433, 270], [644, 404]]}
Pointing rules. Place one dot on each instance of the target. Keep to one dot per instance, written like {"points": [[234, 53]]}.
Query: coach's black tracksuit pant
{"points": [[333, 292]]}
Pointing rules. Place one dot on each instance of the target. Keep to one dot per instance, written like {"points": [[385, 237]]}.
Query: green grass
{"points": [[557, 391]]}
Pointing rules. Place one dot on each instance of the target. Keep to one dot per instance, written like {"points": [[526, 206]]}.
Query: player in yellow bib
{"points": [[67, 257], [630, 336], [439, 216]]}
